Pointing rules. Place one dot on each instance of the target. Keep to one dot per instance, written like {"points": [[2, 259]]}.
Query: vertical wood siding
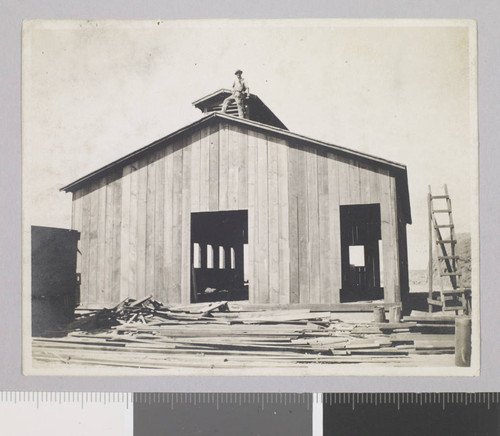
{"points": [[135, 223]]}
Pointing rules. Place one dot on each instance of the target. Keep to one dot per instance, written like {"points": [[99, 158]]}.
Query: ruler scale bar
{"points": [[264, 413]]}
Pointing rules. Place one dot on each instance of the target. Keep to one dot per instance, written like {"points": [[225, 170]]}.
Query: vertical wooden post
{"points": [[429, 206], [462, 340]]}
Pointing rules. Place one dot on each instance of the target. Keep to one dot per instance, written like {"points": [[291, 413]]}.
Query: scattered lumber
{"points": [[144, 333]]}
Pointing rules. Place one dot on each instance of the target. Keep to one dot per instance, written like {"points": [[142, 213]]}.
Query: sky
{"points": [[94, 91]]}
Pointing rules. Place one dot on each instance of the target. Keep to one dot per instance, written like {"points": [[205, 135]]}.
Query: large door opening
{"points": [[218, 255], [360, 229]]}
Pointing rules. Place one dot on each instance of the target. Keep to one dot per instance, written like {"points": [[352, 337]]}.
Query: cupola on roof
{"points": [[255, 109]]}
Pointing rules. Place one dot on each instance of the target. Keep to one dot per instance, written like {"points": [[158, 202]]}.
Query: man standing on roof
{"points": [[240, 92]]}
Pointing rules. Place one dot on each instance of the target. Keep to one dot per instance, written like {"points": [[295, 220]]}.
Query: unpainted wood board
{"points": [[150, 224], [185, 296], [354, 182], [159, 249], [313, 245], [177, 221], [344, 180], [273, 210], [99, 270], [235, 138], [283, 221], [373, 181], [93, 238], [364, 184], [125, 233], [73, 209], [388, 246], [262, 260], [132, 231], [242, 155], [141, 227], [168, 226], [293, 230], [195, 170], [395, 250], [334, 224], [303, 227], [252, 217], [213, 188], [333, 307], [108, 240], [117, 215], [85, 246], [204, 169], [224, 153], [76, 222], [325, 266]]}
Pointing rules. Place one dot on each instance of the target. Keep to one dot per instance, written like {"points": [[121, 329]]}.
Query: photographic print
{"points": [[250, 197]]}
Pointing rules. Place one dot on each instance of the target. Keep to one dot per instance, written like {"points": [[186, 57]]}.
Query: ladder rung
{"points": [[448, 257], [450, 308], [450, 274], [434, 302], [439, 196], [446, 241], [441, 211], [452, 291], [447, 298], [443, 225]]}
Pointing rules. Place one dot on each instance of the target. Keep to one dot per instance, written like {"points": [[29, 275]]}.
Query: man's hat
{"points": [[238, 72]]}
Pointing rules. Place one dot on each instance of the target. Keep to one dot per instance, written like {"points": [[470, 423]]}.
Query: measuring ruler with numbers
{"points": [[252, 414]]}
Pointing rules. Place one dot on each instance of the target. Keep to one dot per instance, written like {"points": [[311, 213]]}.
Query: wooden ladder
{"points": [[451, 298]]}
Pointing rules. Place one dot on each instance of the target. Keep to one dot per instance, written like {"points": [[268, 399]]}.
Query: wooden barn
{"points": [[231, 208]]}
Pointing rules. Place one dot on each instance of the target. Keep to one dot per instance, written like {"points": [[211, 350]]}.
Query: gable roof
{"points": [[398, 170]]}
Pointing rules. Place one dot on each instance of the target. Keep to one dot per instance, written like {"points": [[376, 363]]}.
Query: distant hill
{"points": [[419, 278]]}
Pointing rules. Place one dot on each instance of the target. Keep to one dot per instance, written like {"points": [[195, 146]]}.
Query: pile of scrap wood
{"points": [[142, 311], [145, 334]]}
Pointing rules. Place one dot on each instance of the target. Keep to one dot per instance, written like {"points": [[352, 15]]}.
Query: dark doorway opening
{"points": [[360, 230], [218, 241]]}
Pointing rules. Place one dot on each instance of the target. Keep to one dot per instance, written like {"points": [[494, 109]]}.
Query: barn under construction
{"points": [[243, 209]]}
